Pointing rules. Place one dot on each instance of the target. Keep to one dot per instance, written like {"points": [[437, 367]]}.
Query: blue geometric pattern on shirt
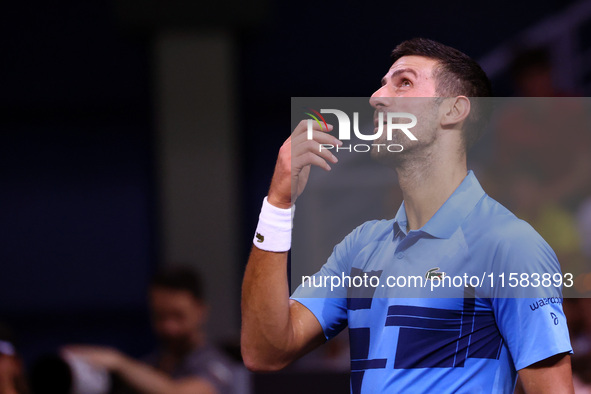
{"points": [[359, 340], [361, 297], [443, 338], [429, 338]]}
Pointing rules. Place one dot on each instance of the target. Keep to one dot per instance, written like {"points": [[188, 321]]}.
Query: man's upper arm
{"points": [[308, 333], [552, 375], [321, 304], [529, 317]]}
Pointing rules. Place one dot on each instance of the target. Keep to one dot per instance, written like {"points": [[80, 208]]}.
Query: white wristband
{"points": [[273, 232]]}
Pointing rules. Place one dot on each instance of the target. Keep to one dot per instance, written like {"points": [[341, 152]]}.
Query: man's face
{"points": [[176, 315], [408, 86]]}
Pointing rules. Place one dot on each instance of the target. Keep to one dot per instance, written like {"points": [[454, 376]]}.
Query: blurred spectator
{"points": [[555, 224], [12, 375], [549, 134], [532, 74], [184, 362], [578, 314], [584, 226]]}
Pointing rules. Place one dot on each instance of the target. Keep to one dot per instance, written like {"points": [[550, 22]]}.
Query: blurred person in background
{"points": [[12, 374], [532, 74], [539, 129], [555, 223], [584, 226], [579, 318], [184, 362]]}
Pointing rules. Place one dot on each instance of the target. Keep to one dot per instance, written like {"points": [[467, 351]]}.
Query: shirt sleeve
{"points": [[321, 293], [530, 315]]}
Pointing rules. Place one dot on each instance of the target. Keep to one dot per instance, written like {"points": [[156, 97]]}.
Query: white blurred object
{"points": [[87, 379]]}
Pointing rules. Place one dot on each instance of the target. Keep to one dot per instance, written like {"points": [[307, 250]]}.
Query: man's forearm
{"points": [[266, 327], [552, 375], [275, 330]]}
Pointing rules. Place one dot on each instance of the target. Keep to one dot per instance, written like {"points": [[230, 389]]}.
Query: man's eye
{"points": [[405, 83]]}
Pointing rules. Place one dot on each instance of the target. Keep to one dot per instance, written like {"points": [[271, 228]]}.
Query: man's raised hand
{"points": [[296, 156]]}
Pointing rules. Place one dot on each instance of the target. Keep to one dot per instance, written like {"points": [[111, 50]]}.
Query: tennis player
{"points": [[446, 224]]}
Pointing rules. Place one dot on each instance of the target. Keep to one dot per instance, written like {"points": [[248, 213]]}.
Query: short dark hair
{"points": [[181, 278], [457, 74]]}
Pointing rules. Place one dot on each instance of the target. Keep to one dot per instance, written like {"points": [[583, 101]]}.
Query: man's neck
{"points": [[426, 185]]}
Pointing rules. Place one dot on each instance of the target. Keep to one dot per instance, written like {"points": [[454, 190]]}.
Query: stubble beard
{"points": [[413, 152]]}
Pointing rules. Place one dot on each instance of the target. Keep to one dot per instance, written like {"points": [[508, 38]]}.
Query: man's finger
{"points": [[318, 136], [302, 127], [310, 158], [314, 148]]}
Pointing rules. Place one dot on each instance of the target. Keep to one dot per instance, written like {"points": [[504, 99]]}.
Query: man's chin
{"points": [[387, 158]]}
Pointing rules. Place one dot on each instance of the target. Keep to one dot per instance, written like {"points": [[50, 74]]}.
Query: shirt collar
{"points": [[400, 220], [451, 214]]}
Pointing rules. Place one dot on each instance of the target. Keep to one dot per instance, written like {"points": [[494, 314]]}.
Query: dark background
{"points": [[79, 198]]}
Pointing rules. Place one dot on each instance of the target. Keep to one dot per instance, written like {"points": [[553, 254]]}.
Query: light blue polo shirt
{"points": [[466, 339]]}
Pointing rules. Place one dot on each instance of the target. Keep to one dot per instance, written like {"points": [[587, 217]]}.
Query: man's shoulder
{"points": [[498, 225], [498, 221], [369, 232]]}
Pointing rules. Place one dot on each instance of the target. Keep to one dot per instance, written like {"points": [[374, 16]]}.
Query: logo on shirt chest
{"points": [[434, 273]]}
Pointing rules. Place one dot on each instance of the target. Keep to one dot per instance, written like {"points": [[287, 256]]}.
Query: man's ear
{"points": [[455, 111]]}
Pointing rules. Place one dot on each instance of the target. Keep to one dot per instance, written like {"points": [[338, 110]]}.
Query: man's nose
{"points": [[380, 98]]}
